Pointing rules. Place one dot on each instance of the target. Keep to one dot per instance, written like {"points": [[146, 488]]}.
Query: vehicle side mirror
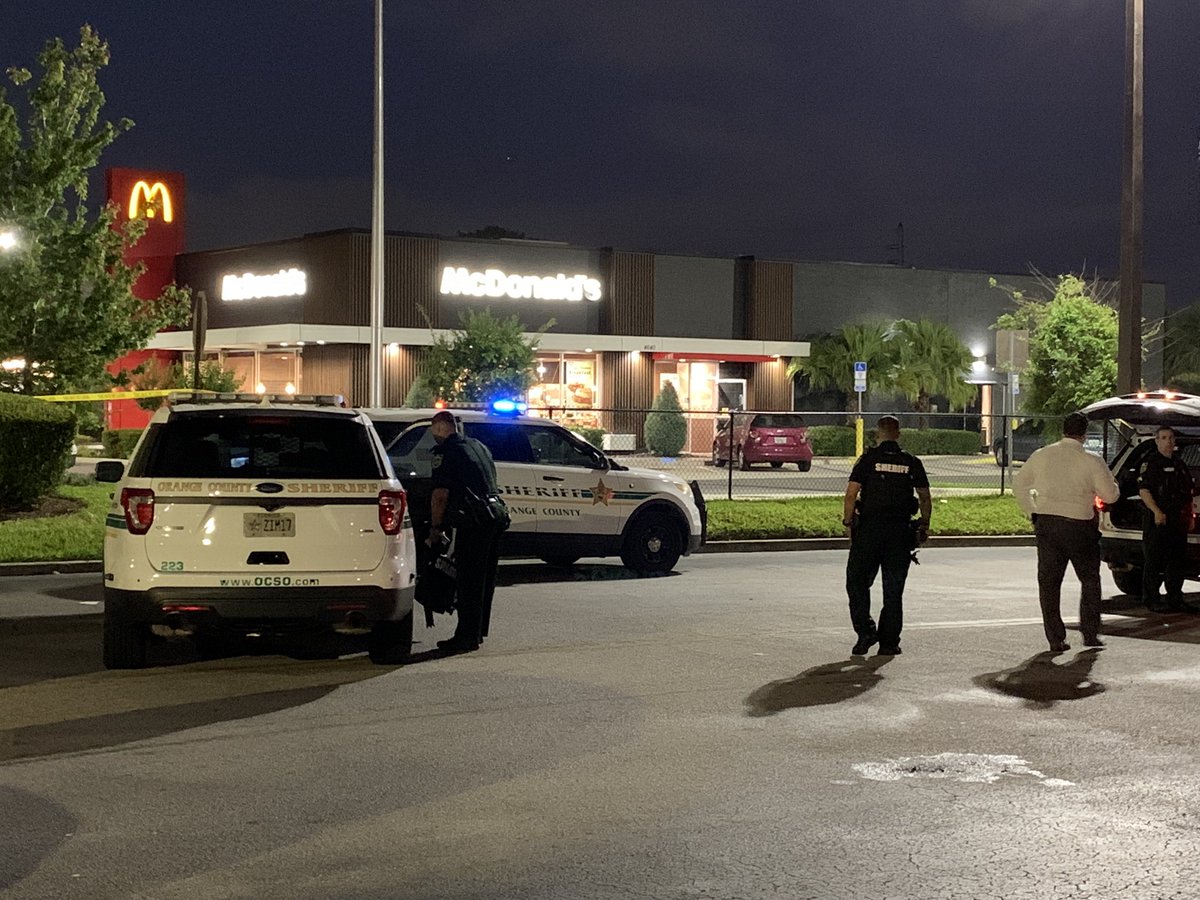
{"points": [[110, 471], [601, 462]]}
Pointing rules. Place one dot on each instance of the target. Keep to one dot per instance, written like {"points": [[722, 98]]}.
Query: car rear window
{"points": [[777, 420], [267, 445]]}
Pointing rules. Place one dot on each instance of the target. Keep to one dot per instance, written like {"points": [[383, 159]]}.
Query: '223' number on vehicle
{"points": [[171, 565]]}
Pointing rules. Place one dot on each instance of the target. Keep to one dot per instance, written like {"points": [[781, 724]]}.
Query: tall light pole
{"points": [[375, 369], [1129, 311]]}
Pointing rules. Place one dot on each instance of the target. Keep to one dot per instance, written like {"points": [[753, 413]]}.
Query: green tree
{"points": [[489, 358], [152, 375], [66, 301], [831, 359], [931, 361], [666, 427], [1072, 347], [420, 395]]}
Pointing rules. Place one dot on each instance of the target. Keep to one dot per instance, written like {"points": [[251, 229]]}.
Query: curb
{"points": [[787, 544], [83, 566]]}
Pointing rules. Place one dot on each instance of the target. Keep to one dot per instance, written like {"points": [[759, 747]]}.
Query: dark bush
{"points": [[838, 440], [119, 442], [594, 436], [941, 442], [35, 443]]}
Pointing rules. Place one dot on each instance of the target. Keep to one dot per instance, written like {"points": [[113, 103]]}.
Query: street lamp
{"points": [[1129, 308]]}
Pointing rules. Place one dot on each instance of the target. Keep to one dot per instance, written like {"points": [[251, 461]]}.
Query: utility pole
{"points": [[375, 366], [1129, 310]]}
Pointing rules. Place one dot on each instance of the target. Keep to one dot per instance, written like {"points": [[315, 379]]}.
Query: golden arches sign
{"points": [[142, 198]]}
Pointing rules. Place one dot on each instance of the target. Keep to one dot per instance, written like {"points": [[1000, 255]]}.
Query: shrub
{"points": [[119, 442], [941, 442], [666, 427], [420, 395], [35, 441], [833, 440], [594, 436]]}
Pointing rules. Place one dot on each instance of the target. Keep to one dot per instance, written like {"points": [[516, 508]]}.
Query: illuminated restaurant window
{"points": [[566, 389]]}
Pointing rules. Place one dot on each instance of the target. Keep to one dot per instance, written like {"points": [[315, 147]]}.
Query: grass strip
{"points": [[81, 534], [802, 517]]}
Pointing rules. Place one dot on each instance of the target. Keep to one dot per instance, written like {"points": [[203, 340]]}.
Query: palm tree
{"points": [[831, 359], [931, 361]]}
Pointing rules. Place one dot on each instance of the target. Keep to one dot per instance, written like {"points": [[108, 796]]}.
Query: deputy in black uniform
{"points": [[1166, 488], [461, 464], [887, 486]]}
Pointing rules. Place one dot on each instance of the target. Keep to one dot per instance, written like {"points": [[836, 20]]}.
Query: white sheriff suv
{"points": [[241, 514], [566, 498]]}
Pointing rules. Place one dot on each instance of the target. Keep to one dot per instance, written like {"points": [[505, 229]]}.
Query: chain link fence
{"points": [[743, 455]]}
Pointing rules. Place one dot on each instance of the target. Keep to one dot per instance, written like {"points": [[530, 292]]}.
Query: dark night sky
{"points": [[795, 130]]}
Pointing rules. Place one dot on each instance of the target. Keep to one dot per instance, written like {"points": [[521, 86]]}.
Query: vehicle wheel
{"points": [[1129, 582], [124, 643], [560, 562], [776, 465], [716, 459], [390, 643], [804, 465], [999, 454], [653, 545], [743, 463]]}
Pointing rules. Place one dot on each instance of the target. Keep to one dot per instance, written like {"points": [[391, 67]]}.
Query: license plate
{"points": [[268, 525], [781, 440]]}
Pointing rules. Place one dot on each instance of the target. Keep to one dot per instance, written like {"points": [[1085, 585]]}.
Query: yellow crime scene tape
{"points": [[116, 395]]}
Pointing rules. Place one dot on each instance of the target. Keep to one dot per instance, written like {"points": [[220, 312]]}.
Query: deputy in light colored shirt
{"points": [[1058, 488]]}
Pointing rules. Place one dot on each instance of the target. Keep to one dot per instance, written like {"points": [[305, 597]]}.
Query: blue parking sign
{"points": [[860, 367]]}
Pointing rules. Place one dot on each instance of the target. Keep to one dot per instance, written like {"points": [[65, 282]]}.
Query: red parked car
{"points": [[774, 438]]}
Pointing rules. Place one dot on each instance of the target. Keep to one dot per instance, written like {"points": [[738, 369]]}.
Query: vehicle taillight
{"points": [[391, 510], [138, 504], [752, 437]]}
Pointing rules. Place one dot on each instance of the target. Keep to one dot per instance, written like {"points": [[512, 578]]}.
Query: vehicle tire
{"points": [[1129, 582], [560, 562], [716, 459], [124, 643], [804, 465], [743, 463], [390, 643], [999, 454], [653, 544], [776, 465]]}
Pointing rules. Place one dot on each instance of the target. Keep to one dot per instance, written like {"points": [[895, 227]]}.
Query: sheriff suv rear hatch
{"points": [[270, 492]]}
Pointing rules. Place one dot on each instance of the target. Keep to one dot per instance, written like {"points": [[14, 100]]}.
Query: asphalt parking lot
{"points": [[700, 735]]}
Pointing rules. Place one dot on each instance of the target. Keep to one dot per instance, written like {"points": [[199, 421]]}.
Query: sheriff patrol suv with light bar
{"points": [[566, 498], [242, 514]]}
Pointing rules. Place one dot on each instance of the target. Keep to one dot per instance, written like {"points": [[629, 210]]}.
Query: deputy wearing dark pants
{"points": [[886, 487], [461, 465], [1057, 488], [1166, 488]]}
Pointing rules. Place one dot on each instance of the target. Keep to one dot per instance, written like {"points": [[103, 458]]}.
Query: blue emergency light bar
{"points": [[508, 407]]}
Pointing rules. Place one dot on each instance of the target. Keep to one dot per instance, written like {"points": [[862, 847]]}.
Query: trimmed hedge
{"points": [[838, 440], [119, 442], [35, 441]]}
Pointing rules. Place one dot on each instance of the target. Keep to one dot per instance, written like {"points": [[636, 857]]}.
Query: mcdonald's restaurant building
{"points": [[294, 315]]}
